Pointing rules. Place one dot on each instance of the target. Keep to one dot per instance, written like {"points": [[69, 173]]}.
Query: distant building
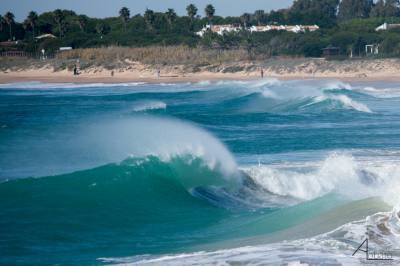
{"points": [[222, 29], [65, 49], [12, 49], [295, 28], [386, 26], [330, 51], [45, 36], [219, 29], [372, 49], [9, 44]]}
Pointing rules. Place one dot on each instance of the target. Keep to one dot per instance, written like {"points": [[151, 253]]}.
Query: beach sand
{"points": [[355, 70]]}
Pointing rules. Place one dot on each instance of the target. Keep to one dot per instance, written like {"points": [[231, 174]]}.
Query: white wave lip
{"points": [[113, 141], [149, 105], [143, 136], [346, 101], [349, 103]]}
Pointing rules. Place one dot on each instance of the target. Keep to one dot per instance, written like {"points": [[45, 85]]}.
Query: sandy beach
{"points": [[354, 70]]}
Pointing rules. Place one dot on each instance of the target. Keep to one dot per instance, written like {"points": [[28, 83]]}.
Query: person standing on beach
{"points": [[158, 73], [262, 72]]}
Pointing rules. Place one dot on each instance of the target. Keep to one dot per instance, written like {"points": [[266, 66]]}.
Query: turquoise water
{"points": [[115, 173]]}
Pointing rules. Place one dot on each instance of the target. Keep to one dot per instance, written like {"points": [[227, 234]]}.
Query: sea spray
{"points": [[143, 106], [339, 172]]}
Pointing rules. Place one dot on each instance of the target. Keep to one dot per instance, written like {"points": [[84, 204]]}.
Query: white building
{"points": [[219, 29], [386, 26], [372, 49], [222, 29], [295, 29], [45, 36]]}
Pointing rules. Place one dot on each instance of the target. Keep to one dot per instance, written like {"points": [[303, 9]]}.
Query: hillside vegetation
{"points": [[347, 24]]}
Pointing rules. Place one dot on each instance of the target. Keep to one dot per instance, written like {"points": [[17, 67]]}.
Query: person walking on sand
{"points": [[75, 70], [262, 72], [158, 73]]}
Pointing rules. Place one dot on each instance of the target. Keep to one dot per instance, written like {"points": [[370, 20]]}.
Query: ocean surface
{"points": [[225, 173]]}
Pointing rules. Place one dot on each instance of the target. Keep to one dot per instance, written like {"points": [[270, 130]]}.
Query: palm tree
{"points": [[1, 22], [245, 18], [149, 17], [170, 15], [82, 20], [31, 21], [191, 11], [259, 14], [210, 12], [59, 19], [124, 14], [9, 20], [100, 29]]}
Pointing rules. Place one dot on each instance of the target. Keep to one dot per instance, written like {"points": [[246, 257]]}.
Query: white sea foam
{"points": [[381, 92], [332, 248], [351, 104], [33, 88], [291, 253], [60, 86], [149, 105], [341, 173], [337, 85]]}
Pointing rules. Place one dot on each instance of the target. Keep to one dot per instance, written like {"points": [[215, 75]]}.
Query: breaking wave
{"points": [[290, 97], [339, 173], [145, 185]]}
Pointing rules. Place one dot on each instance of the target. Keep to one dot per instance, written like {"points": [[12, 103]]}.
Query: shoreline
{"points": [[23, 76]]}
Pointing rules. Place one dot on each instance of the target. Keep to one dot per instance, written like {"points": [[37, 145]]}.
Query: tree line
{"points": [[347, 24]]}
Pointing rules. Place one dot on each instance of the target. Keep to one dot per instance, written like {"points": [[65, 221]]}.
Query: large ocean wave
{"points": [[98, 176]]}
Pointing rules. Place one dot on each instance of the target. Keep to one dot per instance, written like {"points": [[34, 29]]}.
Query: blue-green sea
{"points": [[263, 172]]}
